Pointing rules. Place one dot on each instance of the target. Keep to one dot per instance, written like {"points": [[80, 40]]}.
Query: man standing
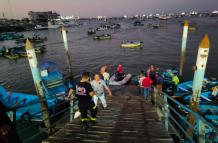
{"points": [[99, 86], [84, 92]]}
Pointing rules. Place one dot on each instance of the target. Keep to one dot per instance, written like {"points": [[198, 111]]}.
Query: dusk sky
{"points": [[93, 8]]}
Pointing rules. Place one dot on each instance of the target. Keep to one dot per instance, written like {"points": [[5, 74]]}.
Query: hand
{"points": [[110, 94]]}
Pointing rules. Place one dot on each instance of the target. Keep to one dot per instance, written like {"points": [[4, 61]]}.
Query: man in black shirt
{"points": [[84, 92]]}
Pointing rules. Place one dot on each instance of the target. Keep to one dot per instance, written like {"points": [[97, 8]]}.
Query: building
{"points": [[43, 17]]}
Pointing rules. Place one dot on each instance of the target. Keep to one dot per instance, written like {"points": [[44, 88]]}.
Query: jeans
{"points": [[102, 98], [146, 92], [141, 90]]}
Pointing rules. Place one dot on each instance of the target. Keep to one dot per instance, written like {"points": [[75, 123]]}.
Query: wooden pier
{"points": [[128, 119]]}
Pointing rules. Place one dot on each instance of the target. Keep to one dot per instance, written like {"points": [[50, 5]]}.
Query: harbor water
{"points": [[161, 47]]}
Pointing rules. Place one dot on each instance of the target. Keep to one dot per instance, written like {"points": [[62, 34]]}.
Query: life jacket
{"points": [[147, 82]]}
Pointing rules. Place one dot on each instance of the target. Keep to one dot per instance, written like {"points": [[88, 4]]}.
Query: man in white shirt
{"points": [[99, 85]]}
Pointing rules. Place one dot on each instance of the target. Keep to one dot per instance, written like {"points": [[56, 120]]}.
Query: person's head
{"points": [[141, 75], [85, 76], [174, 74], [152, 67], [97, 77]]}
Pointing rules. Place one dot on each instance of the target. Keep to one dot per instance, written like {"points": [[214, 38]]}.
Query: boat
{"points": [[91, 31], [11, 36], [138, 23], [156, 26], [50, 25], [122, 82], [127, 44], [114, 26], [102, 37], [40, 27], [164, 17], [208, 85], [11, 56], [34, 39], [192, 28], [102, 28], [28, 105], [21, 100]]}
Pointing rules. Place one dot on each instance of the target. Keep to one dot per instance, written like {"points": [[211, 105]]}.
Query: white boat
{"points": [[122, 82], [40, 27], [52, 25], [164, 17]]}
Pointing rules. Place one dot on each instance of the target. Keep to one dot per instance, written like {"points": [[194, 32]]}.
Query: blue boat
{"points": [[21, 100], [28, 105], [10, 36], [186, 87]]}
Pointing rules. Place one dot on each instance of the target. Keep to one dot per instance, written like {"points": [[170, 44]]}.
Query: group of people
{"points": [[152, 78], [88, 92]]}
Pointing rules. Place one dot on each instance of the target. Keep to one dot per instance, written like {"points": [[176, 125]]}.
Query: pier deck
{"points": [[128, 118]]}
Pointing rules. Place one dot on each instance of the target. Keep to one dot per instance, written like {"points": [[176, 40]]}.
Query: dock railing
{"points": [[172, 112], [175, 118], [31, 129]]}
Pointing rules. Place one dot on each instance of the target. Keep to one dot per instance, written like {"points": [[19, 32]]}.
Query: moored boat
{"points": [[102, 37], [91, 31], [11, 36]]}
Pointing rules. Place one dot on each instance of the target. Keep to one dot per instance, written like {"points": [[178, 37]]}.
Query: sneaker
{"points": [[85, 126], [93, 122]]}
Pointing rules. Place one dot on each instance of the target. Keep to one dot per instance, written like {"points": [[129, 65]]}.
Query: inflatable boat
{"points": [[122, 82]]}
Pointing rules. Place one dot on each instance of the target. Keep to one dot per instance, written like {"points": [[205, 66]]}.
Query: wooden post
{"points": [[183, 49], [201, 63], [64, 34], [31, 55]]}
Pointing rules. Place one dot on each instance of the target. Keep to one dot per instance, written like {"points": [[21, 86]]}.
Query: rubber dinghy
{"points": [[122, 82]]}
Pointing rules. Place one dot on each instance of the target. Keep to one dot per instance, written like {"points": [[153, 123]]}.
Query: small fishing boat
{"points": [[40, 27], [114, 26], [28, 105], [186, 87], [10, 36], [138, 23], [91, 31], [52, 79], [112, 80], [127, 44], [102, 28], [192, 29], [156, 26], [34, 39], [11, 56], [102, 37], [21, 100], [14, 53]]}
